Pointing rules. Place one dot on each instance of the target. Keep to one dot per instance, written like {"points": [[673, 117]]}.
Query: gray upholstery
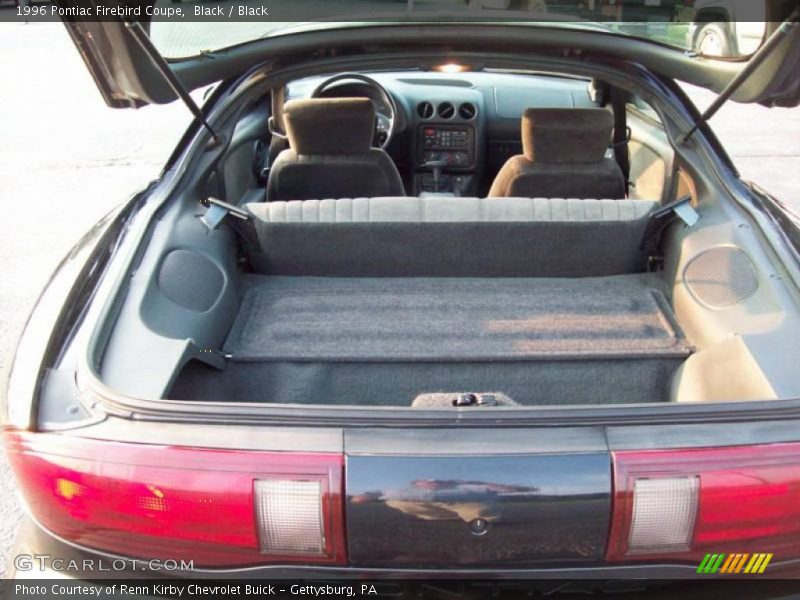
{"points": [[519, 176], [566, 135], [402, 319], [563, 155], [303, 177], [553, 382], [384, 341], [330, 153], [450, 237], [330, 126], [432, 209]]}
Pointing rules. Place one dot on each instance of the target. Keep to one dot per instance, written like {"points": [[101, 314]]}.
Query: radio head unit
{"points": [[453, 144]]}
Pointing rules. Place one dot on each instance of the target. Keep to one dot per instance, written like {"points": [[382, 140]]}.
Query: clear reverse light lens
{"points": [[289, 515], [664, 512]]}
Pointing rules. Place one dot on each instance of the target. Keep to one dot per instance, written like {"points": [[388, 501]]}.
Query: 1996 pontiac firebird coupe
{"points": [[425, 299]]}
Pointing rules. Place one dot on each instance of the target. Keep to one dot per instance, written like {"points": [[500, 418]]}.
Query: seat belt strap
{"points": [[680, 210], [238, 219], [277, 143], [277, 137], [278, 99], [621, 135]]}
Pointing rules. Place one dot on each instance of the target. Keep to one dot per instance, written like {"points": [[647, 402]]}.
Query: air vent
{"points": [[425, 110], [467, 111], [446, 110]]}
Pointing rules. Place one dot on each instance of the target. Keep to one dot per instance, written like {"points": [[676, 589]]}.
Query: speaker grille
{"points": [[190, 280], [721, 277]]}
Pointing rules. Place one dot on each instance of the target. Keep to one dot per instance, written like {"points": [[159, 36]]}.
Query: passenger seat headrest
{"points": [[566, 135], [324, 126]]}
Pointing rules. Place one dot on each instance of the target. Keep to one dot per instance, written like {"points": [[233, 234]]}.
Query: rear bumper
{"points": [[660, 581]]}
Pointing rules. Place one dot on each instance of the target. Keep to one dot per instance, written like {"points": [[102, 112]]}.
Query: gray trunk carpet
{"points": [[382, 342], [320, 319], [543, 383]]}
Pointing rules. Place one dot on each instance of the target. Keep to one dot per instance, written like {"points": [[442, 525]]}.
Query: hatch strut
{"points": [[759, 57], [139, 34]]}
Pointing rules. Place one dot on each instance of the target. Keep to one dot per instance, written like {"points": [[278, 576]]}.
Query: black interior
{"points": [[378, 302], [468, 121], [382, 301]]}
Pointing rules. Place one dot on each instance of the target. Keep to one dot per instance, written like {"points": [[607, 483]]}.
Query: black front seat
{"points": [[564, 156], [330, 153]]}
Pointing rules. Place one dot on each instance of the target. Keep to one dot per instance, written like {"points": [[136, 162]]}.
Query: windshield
{"points": [[719, 28]]}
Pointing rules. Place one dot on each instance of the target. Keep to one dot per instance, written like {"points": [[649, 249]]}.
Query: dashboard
{"points": [[454, 132]]}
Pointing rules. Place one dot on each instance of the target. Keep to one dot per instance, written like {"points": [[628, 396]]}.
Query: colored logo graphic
{"points": [[734, 563]]}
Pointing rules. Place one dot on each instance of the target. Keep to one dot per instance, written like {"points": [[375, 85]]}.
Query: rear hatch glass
{"points": [[739, 25]]}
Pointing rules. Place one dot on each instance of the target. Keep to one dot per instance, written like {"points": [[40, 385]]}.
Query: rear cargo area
{"points": [[384, 341]]}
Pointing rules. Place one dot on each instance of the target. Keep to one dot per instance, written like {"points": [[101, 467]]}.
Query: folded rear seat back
{"points": [[451, 237]]}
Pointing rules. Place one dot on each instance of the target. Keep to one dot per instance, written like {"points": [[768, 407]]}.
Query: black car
{"points": [[424, 298]]}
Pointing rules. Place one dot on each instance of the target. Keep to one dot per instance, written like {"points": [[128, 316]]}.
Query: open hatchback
{"points": [[495, 286]]}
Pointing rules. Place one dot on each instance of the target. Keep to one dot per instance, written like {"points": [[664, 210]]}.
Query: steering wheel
{"points": [[385, 124]]}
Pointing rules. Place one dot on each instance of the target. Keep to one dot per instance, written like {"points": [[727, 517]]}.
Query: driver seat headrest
{"points": [[330, 126]]}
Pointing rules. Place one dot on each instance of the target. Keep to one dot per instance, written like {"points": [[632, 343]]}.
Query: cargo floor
{"points": [[376, 341]]}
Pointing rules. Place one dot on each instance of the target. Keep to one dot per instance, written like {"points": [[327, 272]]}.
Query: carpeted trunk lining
{"points": [[383, 342], [399, 383], [380, 320]]}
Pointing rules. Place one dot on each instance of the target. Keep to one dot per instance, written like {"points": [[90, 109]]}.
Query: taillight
{"points": [[216, 507], [683, 504]]}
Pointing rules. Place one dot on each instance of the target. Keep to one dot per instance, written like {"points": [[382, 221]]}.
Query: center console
{"points": [[452, 149], [447, 138], [452, 144]]}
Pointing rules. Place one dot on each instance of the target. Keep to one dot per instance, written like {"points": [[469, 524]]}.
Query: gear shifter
{"points": [[437, 166]]}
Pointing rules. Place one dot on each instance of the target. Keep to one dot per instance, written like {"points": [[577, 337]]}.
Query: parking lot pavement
{"points": [[763, 143], [66, 160]]}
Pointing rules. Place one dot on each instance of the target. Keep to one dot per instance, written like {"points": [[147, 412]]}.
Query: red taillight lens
{"points": [[683, 504], [184, 503]]}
